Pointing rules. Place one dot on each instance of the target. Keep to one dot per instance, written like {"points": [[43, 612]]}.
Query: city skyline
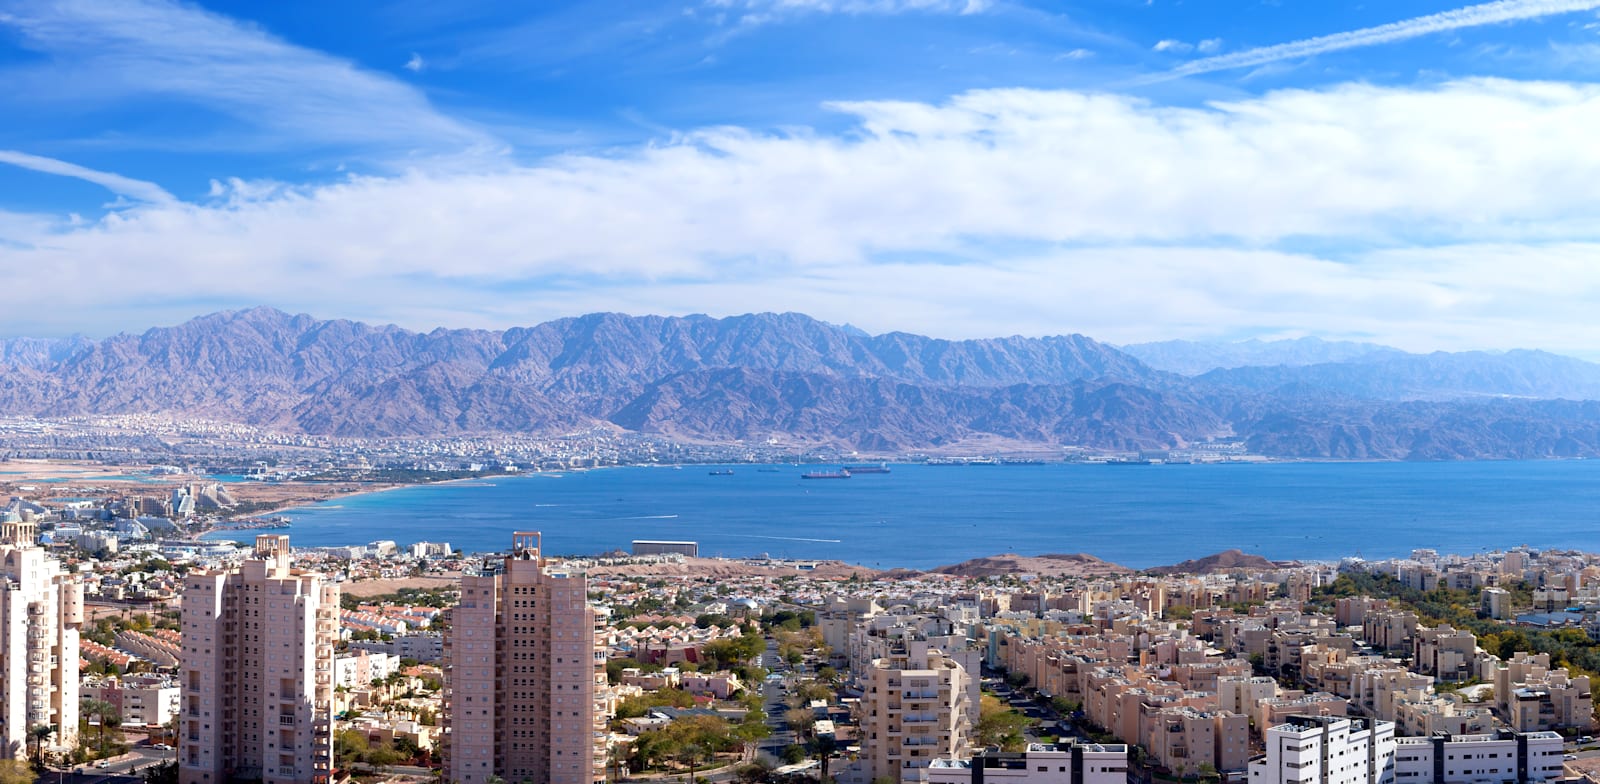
{"points": [[1412, 174]]}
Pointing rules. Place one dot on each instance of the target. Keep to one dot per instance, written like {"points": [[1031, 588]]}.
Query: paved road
{"points": [[133, 763]]}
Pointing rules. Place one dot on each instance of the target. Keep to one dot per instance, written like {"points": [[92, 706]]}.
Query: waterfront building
{"points": [[257, 671], [662, 547], [41, 609], [524, 676], [1041, 763]]}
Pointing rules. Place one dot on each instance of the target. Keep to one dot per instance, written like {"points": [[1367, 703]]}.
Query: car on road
{"points": [[103, 764]]}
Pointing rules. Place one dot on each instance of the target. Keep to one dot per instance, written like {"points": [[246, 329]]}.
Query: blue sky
{"points": [[1415, 173]]}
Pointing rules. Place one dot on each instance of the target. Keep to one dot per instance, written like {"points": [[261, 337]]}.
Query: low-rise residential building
{"points": [[1066, 763], [1478, 759]]}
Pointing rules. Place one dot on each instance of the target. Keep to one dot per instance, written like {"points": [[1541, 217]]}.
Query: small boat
{"points": [[826, 475], [722, 472]]}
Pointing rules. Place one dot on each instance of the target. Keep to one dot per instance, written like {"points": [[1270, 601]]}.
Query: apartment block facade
{"points": [[257, 671], [1490, 758], [525, 674], [1327, 750], [1041, 763], [41, 610], [914, 709]]}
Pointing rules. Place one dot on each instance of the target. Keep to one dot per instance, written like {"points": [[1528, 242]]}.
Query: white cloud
{"points": [[1209, 46], [116, 183], [1173, 45], [998, 211], [1458, 19], [108, 53], [416, 63], [1075, 54]]}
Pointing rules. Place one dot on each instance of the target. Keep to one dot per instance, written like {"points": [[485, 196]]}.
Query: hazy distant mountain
{"points": [[763, 375], [1437, 376], [1191, 358], [39, 353]]}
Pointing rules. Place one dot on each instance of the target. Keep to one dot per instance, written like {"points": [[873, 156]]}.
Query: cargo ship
{"points": [[826, 475], [881, 468]]}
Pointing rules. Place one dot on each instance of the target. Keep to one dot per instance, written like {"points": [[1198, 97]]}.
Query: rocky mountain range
{"points": [[807, 382], [1191, 358]]}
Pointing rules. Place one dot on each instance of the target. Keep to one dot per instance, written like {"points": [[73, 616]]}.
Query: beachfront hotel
{"points": [[257, 664], [41, 609], [523, 674]]}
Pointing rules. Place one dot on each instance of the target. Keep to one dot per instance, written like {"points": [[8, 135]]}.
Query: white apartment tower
{"points": [[257, 671], [524, 676], [1327, 750], [41, 609]]}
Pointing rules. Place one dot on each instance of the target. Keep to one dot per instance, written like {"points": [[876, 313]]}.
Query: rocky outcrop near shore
{"points": [[1049, 565]]}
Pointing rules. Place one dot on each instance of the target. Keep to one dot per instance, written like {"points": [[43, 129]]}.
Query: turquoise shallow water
{"points": [[920, 516]]}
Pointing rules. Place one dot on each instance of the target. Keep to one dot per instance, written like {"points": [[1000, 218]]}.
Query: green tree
{"points": [[38, 735], [999, 725], [164, 773], [17, 772]]}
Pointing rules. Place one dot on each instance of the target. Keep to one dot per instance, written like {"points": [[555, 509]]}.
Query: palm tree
{"points": [[690, 753], [825, 745], [37, 735]]}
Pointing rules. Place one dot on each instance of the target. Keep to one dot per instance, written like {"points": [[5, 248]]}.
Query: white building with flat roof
{"points": [[41, 609], [1491, 758], [1327, 750], [1042, 763]]}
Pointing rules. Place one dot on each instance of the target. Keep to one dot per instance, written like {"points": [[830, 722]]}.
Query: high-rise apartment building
{"points": [[524, 675], [41, 609], [257, 671], [915, 709]]}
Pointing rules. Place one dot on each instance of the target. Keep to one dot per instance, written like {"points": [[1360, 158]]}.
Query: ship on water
{"points": [[881, 468], [723, 472], [843, 474]]}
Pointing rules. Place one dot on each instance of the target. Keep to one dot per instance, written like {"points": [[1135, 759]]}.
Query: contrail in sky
{"points": [[1460, 18]]}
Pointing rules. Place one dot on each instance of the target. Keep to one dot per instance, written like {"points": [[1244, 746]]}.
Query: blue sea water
{"points": [[922, 516]]}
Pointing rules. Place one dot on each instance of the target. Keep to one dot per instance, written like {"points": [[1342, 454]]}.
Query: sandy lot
{"points": [[391, 585]]}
